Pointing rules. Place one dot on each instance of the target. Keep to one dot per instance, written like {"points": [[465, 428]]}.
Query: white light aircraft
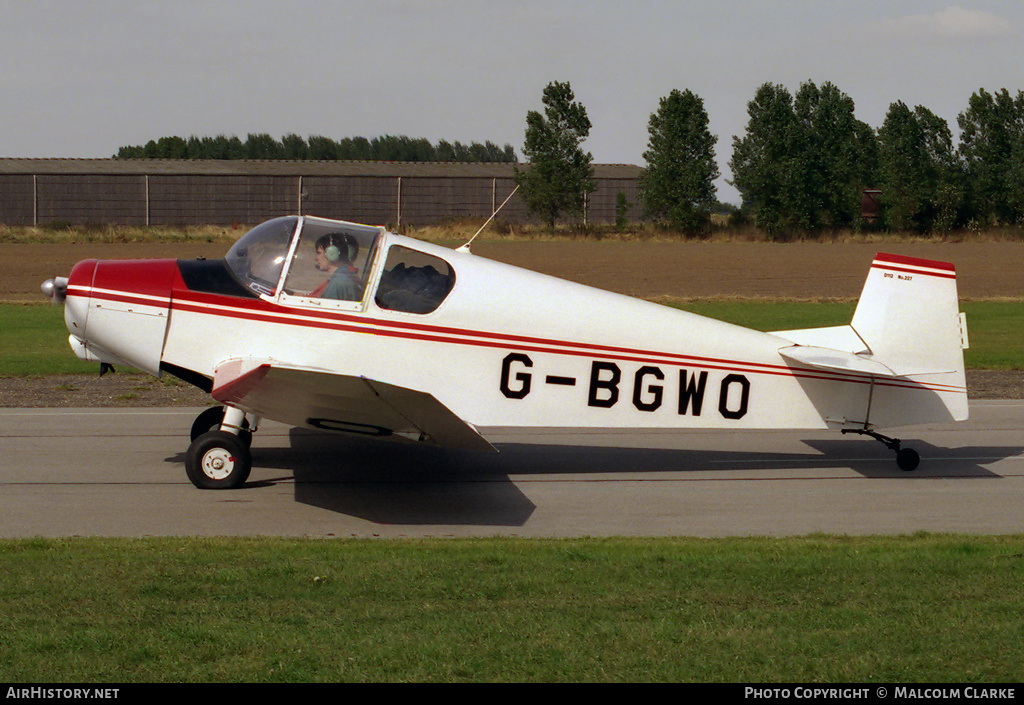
{"points": [[351, 328]]}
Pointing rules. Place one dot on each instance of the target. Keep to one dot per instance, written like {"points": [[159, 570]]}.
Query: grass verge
{"points": [[35, 342], [922, 608]]}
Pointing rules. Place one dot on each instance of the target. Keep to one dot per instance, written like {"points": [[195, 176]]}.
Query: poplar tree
{"points": [[992, 147], [677, 186], [761, 161], [919, 172], [835, 156], [803, 164], [560, 175]]}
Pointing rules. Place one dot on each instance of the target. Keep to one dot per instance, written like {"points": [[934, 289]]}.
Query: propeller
{"points": [[56, 289]]}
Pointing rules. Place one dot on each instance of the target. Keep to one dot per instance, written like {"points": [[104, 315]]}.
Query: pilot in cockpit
{"points": [[335, 253]]}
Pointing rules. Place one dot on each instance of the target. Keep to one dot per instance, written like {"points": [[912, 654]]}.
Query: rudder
{"points": [[909, 317]]}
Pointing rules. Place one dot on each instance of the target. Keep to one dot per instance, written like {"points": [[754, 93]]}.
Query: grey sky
{"points": [[82, 78]]}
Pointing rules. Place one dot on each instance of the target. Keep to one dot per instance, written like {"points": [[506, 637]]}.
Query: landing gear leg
{"points": [[907, 459], [220, 458], [213, 419]]}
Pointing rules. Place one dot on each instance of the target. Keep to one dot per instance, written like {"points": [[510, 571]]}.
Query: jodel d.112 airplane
{"points": [[350, 328]]}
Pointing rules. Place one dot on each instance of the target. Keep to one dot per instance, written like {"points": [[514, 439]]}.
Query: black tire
{"points": [[218, 460], [907, 459], [210, 420], [207, 421]]}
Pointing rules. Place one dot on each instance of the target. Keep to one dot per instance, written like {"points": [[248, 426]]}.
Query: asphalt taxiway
{"points": [[120, 472]]}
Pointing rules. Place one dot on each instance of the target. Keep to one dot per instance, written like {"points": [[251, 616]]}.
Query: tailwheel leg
{"points": [[907, 459]]}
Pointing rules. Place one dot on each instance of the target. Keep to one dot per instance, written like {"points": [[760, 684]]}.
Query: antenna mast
{"points": [[465, 248]]}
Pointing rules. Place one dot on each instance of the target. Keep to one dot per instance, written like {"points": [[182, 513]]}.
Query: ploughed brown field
{"points": [[653, 269], [685, 269]]}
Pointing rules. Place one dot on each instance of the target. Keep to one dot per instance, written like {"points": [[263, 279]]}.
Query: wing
{"points": [[319, 398]]}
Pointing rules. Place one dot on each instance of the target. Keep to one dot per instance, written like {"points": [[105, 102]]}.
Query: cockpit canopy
{"points": [[258, 258], [306, 261]]}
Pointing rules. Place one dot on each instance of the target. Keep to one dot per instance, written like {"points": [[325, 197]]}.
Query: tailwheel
{"points": [[218, 460], [907, 459]]}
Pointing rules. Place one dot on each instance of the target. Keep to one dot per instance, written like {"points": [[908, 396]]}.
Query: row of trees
{"points": [[805, 160], [802, 165], [317, 147]]}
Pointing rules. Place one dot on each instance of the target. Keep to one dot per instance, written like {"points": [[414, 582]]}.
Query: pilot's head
{"points": [[334, 249]]}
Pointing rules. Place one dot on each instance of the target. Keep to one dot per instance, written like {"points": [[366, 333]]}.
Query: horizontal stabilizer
{"points": [[829, 359], [835, 337]]}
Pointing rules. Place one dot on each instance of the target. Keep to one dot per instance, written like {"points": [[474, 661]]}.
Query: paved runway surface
{"points": [[120, 472]]}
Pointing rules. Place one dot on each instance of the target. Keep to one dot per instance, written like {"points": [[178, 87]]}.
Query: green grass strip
{"points": [[34, 341], [922, 608]]}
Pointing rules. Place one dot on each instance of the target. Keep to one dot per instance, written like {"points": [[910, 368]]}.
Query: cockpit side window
{"points": [[413, 281], [258, 258], [331, 261]]}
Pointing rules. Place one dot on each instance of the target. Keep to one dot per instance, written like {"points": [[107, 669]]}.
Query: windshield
{"points": [[332, 260], [258, 257]]}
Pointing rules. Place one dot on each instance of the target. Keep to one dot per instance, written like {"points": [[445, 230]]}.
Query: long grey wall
{"points": [[172, 192]]}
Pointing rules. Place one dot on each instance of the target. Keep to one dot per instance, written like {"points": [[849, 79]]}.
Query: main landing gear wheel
{"points": [[218, 460]]}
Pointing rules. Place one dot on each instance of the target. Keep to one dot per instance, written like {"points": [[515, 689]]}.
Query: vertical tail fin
{"points": [[909, 316]]}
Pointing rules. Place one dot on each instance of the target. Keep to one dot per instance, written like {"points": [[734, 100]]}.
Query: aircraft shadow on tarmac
{"points": [[399, 483]]}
